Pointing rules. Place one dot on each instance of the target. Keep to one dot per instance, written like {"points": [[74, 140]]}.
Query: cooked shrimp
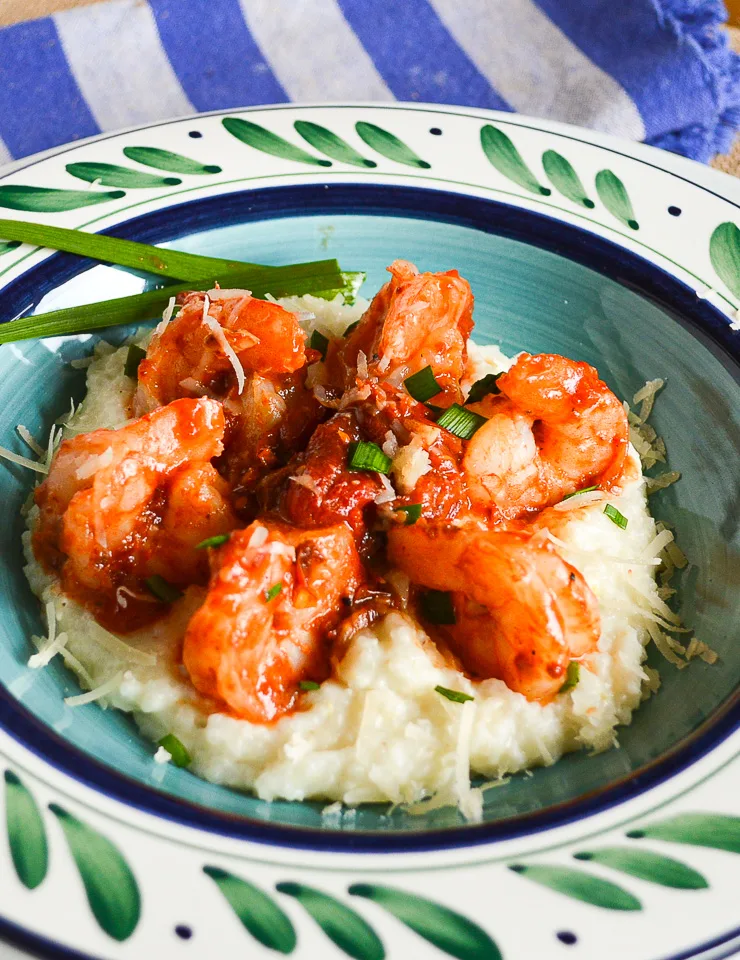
{"points": [[250, 645], [317, 487], [269, 412], [522, 613], [122, 505], [415, 320], [186, 356], [554, 429]]}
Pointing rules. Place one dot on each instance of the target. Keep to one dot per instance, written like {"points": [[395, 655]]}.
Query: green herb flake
{"points": [[368, 456], [615, 516], [437, 607], [412, 511], [216, 541], [319, 342], [176, 749], [572, 676], [133, 358], [162, 590], [273, 592], [422, 386], [457, 696], [463, 423], [481, 388], [351, 328], [576, 492], [309, 685]]}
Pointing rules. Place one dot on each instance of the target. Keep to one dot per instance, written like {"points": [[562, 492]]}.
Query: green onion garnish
{"points": [[162, 590], [309, 685], [176, 749], [481, 388], [437, 607], [412, 511], [351, 328], [196, 269], [133, 358], [433, 409], [322, 278], [319, 342], [368, 456], [216, 541], [576, 492], [463, 423], [571, 677], [273, 592], [615, 516], [422, 385], [457, 696]]}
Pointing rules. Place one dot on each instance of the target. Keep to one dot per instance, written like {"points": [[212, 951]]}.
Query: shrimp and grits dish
{"points": [[341, 552]]}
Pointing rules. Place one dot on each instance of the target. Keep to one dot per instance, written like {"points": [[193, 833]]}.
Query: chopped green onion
{"points": [[216, 541], [133, 358], [273, 592], [422, 386], [571, 677], [576, 492], [319, 342], [437, 607], [615, 516], [463, 423], [412, 511], [433, 409], [176, 749], [309, 685], [351, 328], [481, 388], [368, 456], [162, 590], [457, 696]]}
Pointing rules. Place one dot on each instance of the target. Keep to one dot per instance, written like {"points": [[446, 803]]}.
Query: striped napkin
{"points": [[653, 70]]}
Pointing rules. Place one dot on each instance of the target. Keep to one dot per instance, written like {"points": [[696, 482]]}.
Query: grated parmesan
{"points": [[387, 494], [166, 317], [410, 464], [162, 755], [23, 461], [97, 693], [215, 327], [93, 464], [25, 434]]}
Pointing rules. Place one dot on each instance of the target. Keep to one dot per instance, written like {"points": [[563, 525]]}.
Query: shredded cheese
{"points": [[215, 327], [585, 499], [387, 494], [304, 480], [410, 464], [25, 434], [469, 799], [47, 653], [23, 461], [162, 755], [166, 317], [97, 693], [93, 464]]}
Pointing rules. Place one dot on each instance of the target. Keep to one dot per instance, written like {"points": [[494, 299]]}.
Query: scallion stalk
{"points": [[615, 516], [133, 358], [319, 343], [457, 696], [481, 388], [218, 540], [176, 749]]}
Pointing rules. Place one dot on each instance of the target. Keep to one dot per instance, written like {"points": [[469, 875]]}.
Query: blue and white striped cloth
{"points": [[654, 70]]}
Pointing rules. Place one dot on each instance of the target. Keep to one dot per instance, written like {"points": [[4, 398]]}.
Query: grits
{"points": [[377, 731]]}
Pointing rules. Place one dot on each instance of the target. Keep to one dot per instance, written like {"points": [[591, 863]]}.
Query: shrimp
{"points": [[270, 411], [274, 597], [554, 429], [317, 487], [119, 506], [415, 320], [522, 613], [185, 356]]}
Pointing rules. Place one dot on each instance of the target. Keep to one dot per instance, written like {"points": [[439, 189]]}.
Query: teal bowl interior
{"points": [[526, 299]]}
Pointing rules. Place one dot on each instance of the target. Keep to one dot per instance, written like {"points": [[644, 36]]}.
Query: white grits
{"points": [[377, 731]]}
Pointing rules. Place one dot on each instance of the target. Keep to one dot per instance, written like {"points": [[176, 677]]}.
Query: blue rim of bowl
{"points": [[676, 298]]}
